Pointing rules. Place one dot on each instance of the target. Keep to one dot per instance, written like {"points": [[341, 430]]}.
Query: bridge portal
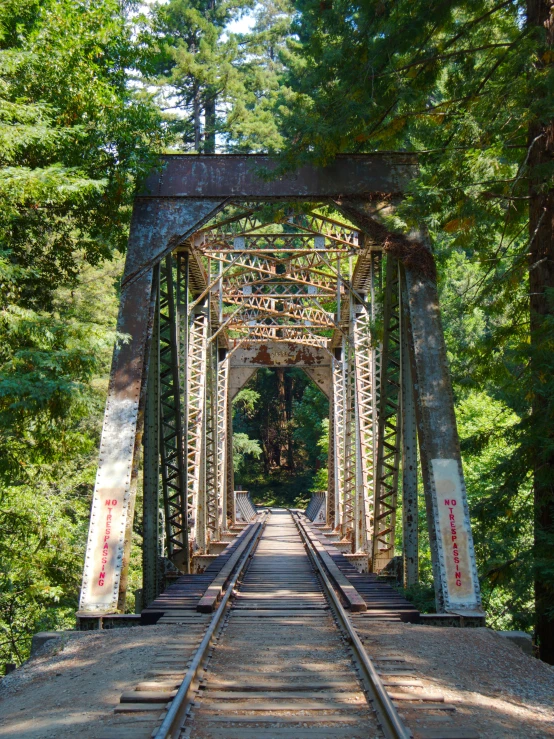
{"points": [[230, 269]]}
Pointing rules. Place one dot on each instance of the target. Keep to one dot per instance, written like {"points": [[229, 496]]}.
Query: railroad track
{"points": [[279, 658]]}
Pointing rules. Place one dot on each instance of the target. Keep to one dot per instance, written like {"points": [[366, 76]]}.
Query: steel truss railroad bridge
{"points": [[228, 270]]}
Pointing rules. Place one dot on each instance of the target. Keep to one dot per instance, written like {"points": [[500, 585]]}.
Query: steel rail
{"points": [[392, 725], [176, 715]]}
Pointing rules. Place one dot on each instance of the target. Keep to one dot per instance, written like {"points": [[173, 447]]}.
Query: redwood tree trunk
{"points": [[540, 16], [209, 125], [282, 417], [289, 387]]}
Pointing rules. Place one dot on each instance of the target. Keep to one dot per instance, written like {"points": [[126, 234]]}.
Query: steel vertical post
{"points": [[410, 526], [230, 472], [222, 431], [331, 480], [172, 439], [211, 433], [197, 423], [388, 445], [183, 271], [339, 412], [365, 411], [151, 465]]}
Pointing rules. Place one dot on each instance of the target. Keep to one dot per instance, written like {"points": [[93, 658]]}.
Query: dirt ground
{"points": [[498, 691], [71, 687]]}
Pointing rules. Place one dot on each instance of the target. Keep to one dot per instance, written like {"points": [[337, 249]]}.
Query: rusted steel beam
{"points": [[108, 544], [410, 528], [452, 553], [151, 467], [158, 227], [388, 439], [171, 420], [228, 175], [272, 354]]}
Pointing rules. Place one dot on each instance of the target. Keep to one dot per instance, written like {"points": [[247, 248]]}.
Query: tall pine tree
{"points": [[220, 87]]}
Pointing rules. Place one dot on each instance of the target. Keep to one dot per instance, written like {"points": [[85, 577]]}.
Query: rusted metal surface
{"points": [[453, 556], [410, 508], [113, 499], [151, 539], [272, 354], [171, 420], [217, 176], [160, 226], [322, 378], [389, 426]]}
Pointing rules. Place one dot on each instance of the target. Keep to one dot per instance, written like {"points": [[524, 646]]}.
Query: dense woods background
{"points": [[90, 92]]}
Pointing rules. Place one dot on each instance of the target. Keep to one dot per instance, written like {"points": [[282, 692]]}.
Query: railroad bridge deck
{"points": [[201, 592], [280, 657]]}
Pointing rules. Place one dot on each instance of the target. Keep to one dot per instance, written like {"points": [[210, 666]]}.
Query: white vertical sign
{"points": [[454, 533]]}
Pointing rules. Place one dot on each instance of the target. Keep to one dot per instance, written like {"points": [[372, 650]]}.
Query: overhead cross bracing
{"points": [[282, 279], [228, 271]]}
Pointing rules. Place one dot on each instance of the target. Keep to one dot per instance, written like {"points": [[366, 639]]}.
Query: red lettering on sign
{"points": [[451, 503], [110, 504]]}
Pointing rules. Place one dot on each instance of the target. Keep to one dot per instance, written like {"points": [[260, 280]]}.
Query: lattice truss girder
{"points": [[313, 284], [278, 280], [172, 455], [211, 441], [226, 230], [364, 368], [389, 426], [222, 442], [338, 437], [196, 401]]}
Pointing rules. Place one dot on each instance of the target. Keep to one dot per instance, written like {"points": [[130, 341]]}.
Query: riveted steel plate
{"points": [[222, 176]]}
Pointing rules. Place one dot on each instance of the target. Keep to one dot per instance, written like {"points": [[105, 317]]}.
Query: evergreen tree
{"points": [[251, 123], [220, 87], [194, 64], [74, 135], [469, 85]]}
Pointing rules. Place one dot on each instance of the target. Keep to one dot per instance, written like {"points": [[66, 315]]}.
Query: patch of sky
{"points": [[244, 24]]}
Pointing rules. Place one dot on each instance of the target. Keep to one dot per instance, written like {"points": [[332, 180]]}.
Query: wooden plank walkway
{"points": [[382, 600], [186, 592]]}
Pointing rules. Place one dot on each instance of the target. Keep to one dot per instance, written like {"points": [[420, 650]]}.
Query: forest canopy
{"points": [[92, 92]]}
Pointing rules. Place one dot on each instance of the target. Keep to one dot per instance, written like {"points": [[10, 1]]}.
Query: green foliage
{"points": [[242, 448], [287, 414], [219, 88], [74, 136], [251, 124]]}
